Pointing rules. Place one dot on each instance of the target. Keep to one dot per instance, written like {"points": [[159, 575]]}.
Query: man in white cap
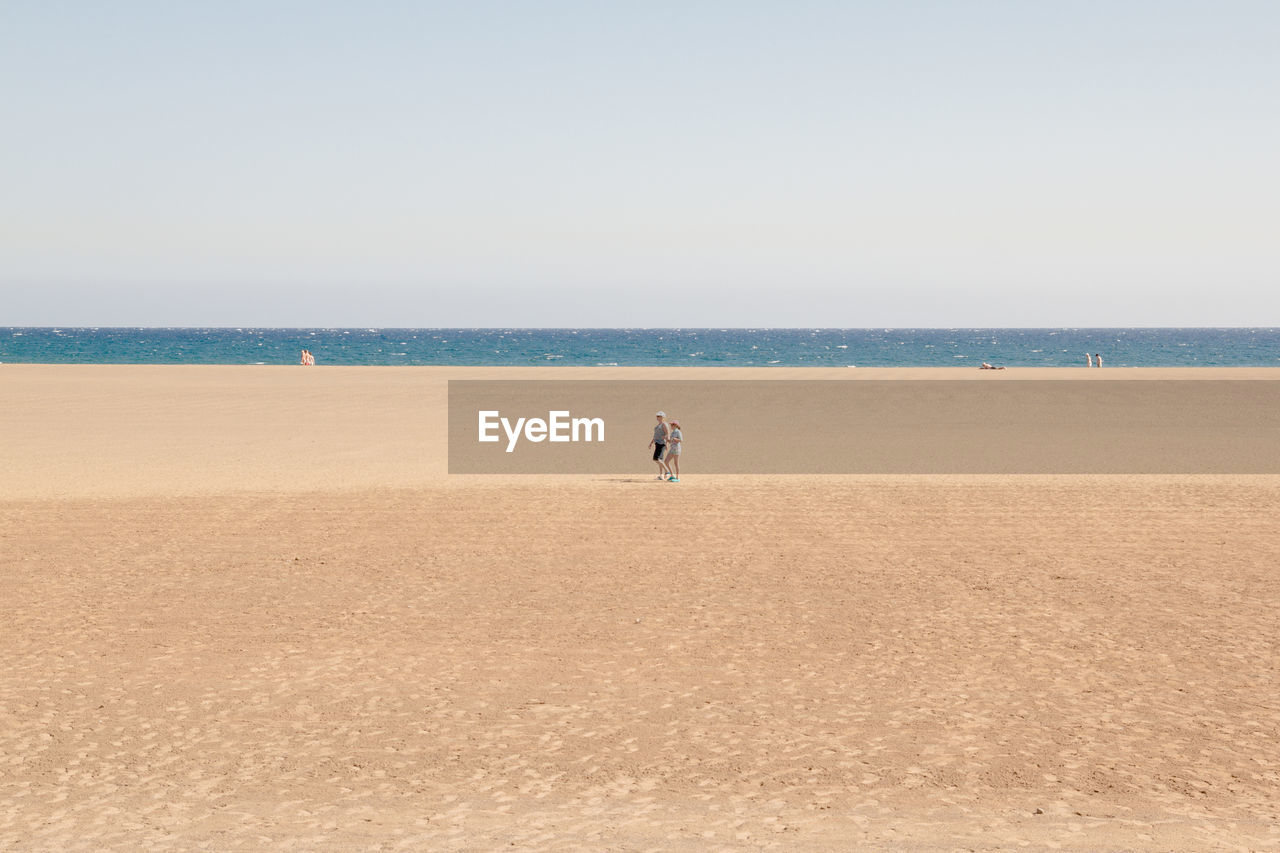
{"points": [[659, 443]]}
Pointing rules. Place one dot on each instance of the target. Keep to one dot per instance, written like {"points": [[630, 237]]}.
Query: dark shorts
{"points": [[657, 452]]}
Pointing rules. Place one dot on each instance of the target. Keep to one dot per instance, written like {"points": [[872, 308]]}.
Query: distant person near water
{"points": [[308, 360], [1088, 360], [675, 439], [659, 443], [989, 366], [1098, 358]]}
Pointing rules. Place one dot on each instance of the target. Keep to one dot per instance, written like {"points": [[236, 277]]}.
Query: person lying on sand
{"points": [[986, 366]]}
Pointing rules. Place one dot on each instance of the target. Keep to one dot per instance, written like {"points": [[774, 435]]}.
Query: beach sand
{"points": [[247, 609]]}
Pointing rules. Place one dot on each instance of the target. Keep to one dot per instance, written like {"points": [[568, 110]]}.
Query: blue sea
{"points": [[1161, 347]]}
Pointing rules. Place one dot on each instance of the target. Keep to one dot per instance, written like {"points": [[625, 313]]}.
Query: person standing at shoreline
{"points": [[1088, 360], [659, 443], [1097, 356]]}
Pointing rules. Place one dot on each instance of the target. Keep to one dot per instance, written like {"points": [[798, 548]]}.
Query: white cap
{"points": [[662, 414]]}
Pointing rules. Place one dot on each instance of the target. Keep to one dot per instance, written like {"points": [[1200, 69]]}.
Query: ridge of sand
{"points": [[130, 430]]}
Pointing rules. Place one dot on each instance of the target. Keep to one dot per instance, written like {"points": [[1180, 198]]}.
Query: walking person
{"points": [[1098, 358], [675, 439], [659, 444], [1088, 360]]}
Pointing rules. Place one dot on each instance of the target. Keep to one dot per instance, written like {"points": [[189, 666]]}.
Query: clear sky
{"points": [[597, 163]]}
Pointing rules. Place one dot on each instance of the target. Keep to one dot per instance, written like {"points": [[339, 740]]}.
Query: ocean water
{"points": [[645, 347]]}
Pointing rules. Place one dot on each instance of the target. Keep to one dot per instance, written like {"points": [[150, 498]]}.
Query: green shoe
{"points": [[673, 480]]}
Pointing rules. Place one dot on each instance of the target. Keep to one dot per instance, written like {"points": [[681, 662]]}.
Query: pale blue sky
{"points": [[640, 164]]}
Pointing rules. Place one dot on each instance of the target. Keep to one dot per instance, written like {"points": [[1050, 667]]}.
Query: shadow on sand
{"points": [[628, 479]]}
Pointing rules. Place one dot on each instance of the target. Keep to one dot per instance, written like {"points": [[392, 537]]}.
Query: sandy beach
{"points": [[248, 609]]}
